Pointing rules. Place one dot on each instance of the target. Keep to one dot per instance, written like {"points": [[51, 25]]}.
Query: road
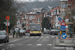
{"points": [[44, 42]]}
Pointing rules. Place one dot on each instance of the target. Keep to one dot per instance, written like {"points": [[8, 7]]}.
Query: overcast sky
{"points": [[31, 0]]}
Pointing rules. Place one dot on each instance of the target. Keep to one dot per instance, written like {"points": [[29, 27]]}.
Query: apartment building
{"points": [[33, 17], [63, 9], [54, 14], [73, 4]]}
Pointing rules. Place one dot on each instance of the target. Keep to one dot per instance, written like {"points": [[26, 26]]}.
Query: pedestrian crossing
{"points": [[38, 37]]}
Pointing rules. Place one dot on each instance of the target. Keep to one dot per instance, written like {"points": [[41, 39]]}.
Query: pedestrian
{"points": [[16, 30], [13, 33]]}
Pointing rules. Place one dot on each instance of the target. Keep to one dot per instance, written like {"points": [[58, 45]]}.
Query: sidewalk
{"points": [[68, 42], [11, 36]]}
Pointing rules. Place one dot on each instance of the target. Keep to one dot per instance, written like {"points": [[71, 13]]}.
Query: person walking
{"points": [[13, 33], [16, 30]]}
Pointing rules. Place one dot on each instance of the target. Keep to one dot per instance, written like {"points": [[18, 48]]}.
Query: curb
{"points": [[65, 45]]}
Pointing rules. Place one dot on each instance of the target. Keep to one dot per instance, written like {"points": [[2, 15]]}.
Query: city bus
{"points": [[35, 29]]}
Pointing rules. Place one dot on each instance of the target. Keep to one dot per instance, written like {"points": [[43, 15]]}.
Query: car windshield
{"points": [[2, 33]]}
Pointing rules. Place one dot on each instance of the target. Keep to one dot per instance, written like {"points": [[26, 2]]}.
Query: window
{"points": [[38, 19], [27, 22], [31, 17], [32, 22], [63, 5], [54, 12], [63, 13]]}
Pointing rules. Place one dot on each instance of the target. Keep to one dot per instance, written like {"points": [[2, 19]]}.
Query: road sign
{"points": [[63, 23], [67, 19], [60, 32], [7, 17], [6, 23], [64, 35], [63, 28], [59, 18]]}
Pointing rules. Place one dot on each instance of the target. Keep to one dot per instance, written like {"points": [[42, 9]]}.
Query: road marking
{"points": [[11, 45], [47, 36], [14, 40], [38, 44], [49, 44], [52, 36], [58, 47], [37, 37], [1, 44], [31, 37], [3, 49], [40, 38], [27, 37], [69, 48], [29, 44], [19, 44]]}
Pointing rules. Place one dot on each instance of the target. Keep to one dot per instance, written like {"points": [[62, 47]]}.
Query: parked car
{"points": [[4, 37], [27, 31], [22, 32], [54, 31], [46, 31]]}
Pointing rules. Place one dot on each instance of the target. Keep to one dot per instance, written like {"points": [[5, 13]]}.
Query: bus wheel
{"points": [[39, 34], [30, 34]]}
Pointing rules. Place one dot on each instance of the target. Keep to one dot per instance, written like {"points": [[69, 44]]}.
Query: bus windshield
{"points": [[35, 27]]}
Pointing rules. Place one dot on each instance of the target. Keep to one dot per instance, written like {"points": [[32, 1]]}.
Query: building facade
{"points": [[54, 14], [63, 9], [33, 17]]}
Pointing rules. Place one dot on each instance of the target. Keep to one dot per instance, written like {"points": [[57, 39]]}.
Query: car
{"points": [[22, 32], [4, 37], [27, 31], [46, 31], [54, 31]]}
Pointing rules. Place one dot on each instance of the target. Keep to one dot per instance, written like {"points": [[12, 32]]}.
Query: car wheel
{"points": [[8, 40]]}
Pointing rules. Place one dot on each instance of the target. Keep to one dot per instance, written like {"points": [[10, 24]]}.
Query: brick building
{"points": [[33, 17], [73, 4]]}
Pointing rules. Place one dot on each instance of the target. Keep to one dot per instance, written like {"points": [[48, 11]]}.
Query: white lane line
{"points": [[32, 37], [40, 38], [1, 44], [38, 44], [11, 45], [52, 36], [3, 49], [29, 44], [49, 44], [58, 47], [27, 37], [47, 36], [37, 37], [14, 40], [69, 48]]}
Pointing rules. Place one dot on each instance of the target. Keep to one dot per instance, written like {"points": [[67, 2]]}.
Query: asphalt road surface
{"points": [[44, 42]]}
